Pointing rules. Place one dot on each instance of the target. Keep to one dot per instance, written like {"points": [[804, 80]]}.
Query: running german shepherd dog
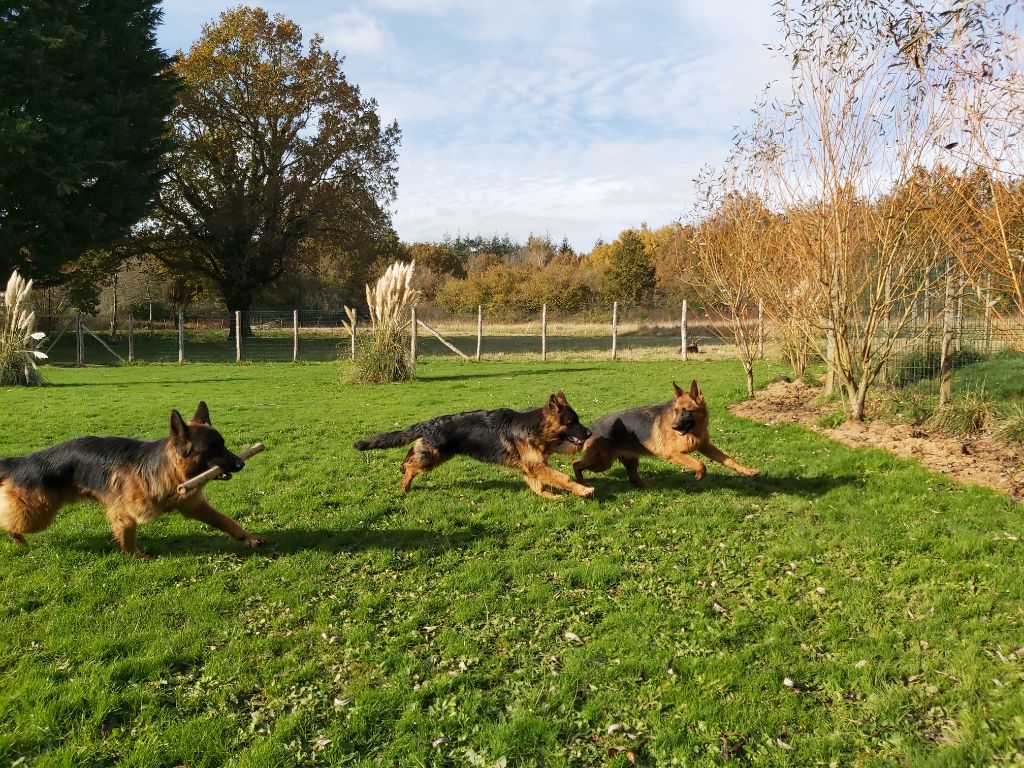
{"points": [[519, 439], [670, 431], [135, 480]]}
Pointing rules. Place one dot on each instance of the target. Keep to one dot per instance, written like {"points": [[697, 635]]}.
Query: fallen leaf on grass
{"points": [[573, 637]]}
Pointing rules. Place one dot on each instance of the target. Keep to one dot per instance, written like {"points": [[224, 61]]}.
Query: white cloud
{"points": [[354, 32]]}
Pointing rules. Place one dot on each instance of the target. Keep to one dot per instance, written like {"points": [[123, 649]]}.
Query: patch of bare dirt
{"points": [[979, 461]]}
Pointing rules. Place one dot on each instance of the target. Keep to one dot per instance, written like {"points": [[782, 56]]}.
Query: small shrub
{"points": [[972, 412], [1011, 426], [17, 320], [390, 301], [832, 420]]}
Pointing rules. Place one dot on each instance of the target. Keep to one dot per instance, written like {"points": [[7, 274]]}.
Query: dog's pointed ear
{"points": [[179, 429], [552, 403], [695, 392], [202, 415], [560, 399], [679, 392]]}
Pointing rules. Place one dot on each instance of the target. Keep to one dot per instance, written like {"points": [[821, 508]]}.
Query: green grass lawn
{"points": [[470, 622]]}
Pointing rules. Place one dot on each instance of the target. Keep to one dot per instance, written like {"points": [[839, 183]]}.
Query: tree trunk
{"points": [[749, 371]]}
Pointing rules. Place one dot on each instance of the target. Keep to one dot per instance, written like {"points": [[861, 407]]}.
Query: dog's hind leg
{"points": [[422, 457], [595, 459], [632, 465]]}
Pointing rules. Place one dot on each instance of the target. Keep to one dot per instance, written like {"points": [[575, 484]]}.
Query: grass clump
{"points": [[17, 323], [390, 301], [972, 412], [1010, 427]]}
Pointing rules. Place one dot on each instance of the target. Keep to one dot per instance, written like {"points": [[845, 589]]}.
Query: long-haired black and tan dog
{"points": [[135, 480], [670, 431], [519, 439]]}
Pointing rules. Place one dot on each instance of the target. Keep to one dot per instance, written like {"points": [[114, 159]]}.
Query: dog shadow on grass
{"points": [[287, 541], [616, 484]]}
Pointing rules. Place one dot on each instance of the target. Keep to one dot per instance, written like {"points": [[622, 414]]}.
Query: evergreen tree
{"points": [[84, 96]]}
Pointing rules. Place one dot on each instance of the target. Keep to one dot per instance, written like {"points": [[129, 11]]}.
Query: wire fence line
{"points": [[628, 333], [318, 335]]}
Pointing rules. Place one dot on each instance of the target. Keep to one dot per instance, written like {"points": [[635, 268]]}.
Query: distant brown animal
{"points": [[671, 431], [519, 439], [135, 480]]}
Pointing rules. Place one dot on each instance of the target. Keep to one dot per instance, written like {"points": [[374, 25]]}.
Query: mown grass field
{"points": [[848, 608]]}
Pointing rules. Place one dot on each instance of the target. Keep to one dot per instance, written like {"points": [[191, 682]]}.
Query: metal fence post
{"points": [[238, 335], [181, 337], [131, 339], [295, 336]]}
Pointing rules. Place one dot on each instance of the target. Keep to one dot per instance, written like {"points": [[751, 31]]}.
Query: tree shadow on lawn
{"points": [[129, 382], [508, 374], [286, 541]]}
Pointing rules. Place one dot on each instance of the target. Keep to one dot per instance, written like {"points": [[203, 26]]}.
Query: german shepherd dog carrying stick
{"points": [[135, 480], [670, 431], [519, 439]]}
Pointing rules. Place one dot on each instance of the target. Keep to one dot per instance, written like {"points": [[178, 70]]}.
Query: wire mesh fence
{"points": [[324, 335]]}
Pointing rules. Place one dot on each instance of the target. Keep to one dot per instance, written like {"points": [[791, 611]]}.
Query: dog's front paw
{"points": [[701, 471], [252, 541], [750, 472], [586, 491]]}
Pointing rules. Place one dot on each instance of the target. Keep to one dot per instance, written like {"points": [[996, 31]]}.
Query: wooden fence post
{"points": [[615, 329], [479, 329], [412, 337], [948, 320], [760, 329], [352, 333], [131, 339], [684, 343], [544, 333], [79, 341], [988, 314], [238, 335], [295, 336], [181, 337]]}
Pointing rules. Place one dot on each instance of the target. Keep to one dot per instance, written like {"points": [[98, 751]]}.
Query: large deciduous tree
{"points": [[275, 149], [84, 97]]}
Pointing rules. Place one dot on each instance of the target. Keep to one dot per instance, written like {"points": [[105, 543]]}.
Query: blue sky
{"points": [[576, 118]]}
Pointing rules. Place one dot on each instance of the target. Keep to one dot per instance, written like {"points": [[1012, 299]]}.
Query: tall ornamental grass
{"points": [[386, 358], [17, 320]]}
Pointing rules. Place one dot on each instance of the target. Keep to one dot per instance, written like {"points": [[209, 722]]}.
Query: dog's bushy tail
{"points": [[389, 439]]}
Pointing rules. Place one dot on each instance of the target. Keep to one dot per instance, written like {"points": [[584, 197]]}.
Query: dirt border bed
{"points": [[976, 461]]}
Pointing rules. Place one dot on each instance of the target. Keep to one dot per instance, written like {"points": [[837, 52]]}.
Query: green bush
{"points": [[1010, 426]]}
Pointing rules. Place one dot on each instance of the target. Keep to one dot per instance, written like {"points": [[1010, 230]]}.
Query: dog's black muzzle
{"points": [[683, 426], [234, 464], [574, 437]]}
